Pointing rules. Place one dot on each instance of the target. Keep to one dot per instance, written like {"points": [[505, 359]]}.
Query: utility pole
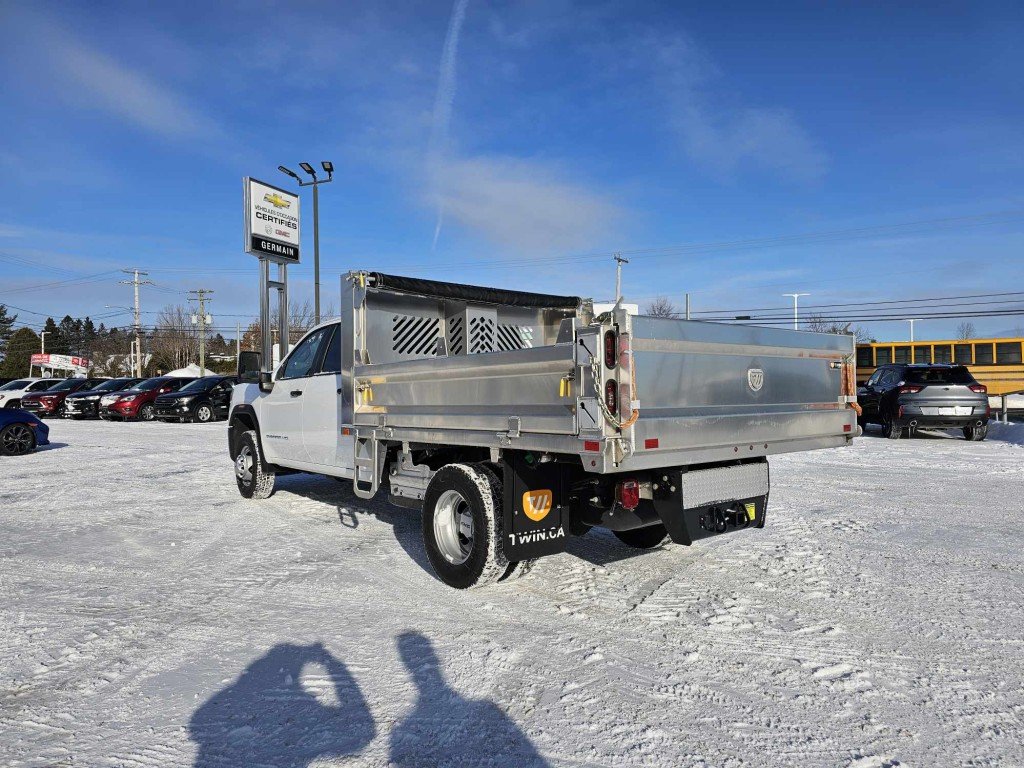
{"points": [[202, 319], [796, 316], [911, 321], [238, 342], [619, 261], [138, 323], [687, 306]]}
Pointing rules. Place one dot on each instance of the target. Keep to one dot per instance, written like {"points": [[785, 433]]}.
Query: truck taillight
{"points": [[907, 389], [627, 493], [609, 349], [611, 396], [981, 389]]}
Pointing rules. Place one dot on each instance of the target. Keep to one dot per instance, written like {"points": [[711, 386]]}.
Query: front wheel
{"points": [[648, 537], [13, 404], [203, 413], [462, 526], [976, 434], [16, 439], [254, 480], [147, 412]]}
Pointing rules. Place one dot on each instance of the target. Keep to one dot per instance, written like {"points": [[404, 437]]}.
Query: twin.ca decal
{"points": [[537, 504]]}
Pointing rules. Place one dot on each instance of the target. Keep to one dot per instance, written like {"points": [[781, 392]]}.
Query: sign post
{"points": [[272, 235]]}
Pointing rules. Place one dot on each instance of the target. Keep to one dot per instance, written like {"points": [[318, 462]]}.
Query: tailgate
{"points": [[712, 386]]}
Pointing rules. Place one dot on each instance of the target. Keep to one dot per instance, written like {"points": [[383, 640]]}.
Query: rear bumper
{"points": [[940, 422]]}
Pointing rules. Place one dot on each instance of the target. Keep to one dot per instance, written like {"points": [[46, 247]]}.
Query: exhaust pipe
{"points": [[977, 423]]}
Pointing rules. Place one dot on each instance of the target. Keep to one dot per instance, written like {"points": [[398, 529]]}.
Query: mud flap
{"points": [[536, 511]]}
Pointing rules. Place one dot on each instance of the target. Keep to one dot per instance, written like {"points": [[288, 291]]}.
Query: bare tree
{"points": [[662, 307], [174, 342], [965, 331], [819, 324]]}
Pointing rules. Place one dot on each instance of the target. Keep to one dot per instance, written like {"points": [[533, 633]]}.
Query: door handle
{"points": [[295, 392]]}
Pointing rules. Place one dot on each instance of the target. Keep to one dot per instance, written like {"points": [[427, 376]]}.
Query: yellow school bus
{"points": [[996, 363]]}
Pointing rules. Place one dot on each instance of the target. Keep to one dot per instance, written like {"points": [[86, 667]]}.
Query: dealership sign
{"points": [[271, 222], [62, 362]]}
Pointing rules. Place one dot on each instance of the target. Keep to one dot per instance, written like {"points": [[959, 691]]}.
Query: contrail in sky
{"points": [[444, 100]]}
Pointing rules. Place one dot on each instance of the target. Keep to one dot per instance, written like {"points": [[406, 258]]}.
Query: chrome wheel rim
{"points": [[146, 413], [243, 465], [17, 439], [203, 414], [453, 527]]}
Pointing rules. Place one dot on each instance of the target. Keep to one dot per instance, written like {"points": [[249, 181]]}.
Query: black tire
{"points": [[12, 404], [519, 568], [891, 429], [147, 412], [16, 439], [648, 537], [976, 434], [464, 546], [254, 480], [202, 413]]}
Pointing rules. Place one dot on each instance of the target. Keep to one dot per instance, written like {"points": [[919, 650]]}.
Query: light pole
{"points": [[328, 167], [796, 317], [912, 321]]}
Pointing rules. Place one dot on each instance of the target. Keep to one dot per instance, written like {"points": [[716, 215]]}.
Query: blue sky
{"points": [[533, 139]]}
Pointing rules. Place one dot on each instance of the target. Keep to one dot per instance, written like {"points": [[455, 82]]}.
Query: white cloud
{"points": [[521, 204], [722, 136], [111, 85]]}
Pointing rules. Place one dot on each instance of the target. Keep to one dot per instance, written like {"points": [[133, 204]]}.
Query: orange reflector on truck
{"points": [[591, 445], [651, 443]]}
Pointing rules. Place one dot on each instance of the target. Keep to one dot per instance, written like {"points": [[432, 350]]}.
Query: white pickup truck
{"points": [[516, 420]]}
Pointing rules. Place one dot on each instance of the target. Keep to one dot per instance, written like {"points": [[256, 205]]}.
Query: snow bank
{"points": [[1012, 433]]}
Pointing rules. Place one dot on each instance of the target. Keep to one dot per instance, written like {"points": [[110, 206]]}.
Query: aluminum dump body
{"points": [[459, 368]]}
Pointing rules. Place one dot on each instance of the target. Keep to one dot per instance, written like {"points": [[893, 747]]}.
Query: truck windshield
{"points": [[201, 385], [20, 384], [956, 374]]}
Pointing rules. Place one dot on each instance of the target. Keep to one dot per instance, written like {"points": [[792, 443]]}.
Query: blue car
{"points": [[21, 432]]}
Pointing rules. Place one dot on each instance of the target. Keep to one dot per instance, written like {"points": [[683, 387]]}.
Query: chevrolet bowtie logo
{"points": [[276, 200]]}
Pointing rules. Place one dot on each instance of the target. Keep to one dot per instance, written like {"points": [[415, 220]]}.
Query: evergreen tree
{"points": [[22, 344], [50, 329], [6, 328]]}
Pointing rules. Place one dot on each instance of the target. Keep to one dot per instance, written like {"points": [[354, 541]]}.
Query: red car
{"points": [[137, 402], [50, 402]]}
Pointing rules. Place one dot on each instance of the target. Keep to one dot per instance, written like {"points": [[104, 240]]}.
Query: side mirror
{"points": [[266, 379], [249, 364], [164, 390]]}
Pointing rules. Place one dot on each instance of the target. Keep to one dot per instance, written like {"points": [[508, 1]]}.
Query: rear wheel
{"points": [[462, 526], [253, 478], [648, 537], [891, 429], [976, 434], [203, 413], [16, 439]]}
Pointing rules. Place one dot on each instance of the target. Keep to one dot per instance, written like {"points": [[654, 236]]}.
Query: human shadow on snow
{"points": [[445, 730], [268, 718]]}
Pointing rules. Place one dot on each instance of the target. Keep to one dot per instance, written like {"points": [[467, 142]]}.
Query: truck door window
{"points": [[331, 362], [301, 360]]}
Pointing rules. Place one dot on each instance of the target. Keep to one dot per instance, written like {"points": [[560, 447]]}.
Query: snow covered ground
{"points": [[149, 616]]}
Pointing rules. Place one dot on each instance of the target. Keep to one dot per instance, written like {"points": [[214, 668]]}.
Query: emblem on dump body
{"points": [[537, 504], [755, 379]]}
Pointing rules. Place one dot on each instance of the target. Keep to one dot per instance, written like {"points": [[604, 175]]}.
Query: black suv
{"points": [[204, 399], [905, 397], [86, 403]]}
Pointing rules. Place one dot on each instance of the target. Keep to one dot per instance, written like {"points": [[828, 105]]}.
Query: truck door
{"points": [[321, 404], [281, 409]]}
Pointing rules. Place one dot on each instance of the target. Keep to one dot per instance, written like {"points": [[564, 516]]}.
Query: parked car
{"points": [[903, 398], [21, 432], [86, 403], [12, 392], [50, 402], [137, 402], [205, 399]]}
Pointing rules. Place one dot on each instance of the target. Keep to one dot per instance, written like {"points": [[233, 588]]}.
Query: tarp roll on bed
{"points": [[473, 293]]}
